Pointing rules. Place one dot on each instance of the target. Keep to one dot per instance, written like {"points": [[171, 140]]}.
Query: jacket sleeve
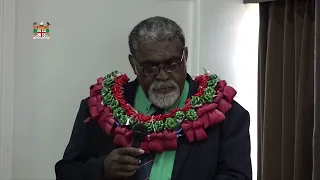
{"points": [[234, 160], [76, 163]]}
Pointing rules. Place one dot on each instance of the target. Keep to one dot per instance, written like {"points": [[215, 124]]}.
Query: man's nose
{"points": [[162, 75]]}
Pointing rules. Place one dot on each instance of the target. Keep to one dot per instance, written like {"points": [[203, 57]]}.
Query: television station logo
{"points": [[41, 31]]}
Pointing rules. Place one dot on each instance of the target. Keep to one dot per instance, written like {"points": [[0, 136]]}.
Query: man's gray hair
{"points": [[155, 29]]}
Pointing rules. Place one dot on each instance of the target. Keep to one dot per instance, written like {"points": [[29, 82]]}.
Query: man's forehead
{"points": [[158, 46], [166, 48]]}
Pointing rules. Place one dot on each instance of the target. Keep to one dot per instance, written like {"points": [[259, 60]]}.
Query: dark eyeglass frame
{"points": [[163, 66]]}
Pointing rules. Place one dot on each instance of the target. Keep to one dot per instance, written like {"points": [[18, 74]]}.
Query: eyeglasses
{"points": [[150, 69]]}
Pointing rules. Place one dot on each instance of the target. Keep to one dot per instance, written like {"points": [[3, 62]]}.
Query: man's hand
{"points": [[122, 163]]}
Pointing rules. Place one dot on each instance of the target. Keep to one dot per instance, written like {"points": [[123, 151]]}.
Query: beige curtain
{"points": [[286, 93]]}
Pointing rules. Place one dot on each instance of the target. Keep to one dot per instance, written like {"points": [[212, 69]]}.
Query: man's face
{"points": [[164, 88]]}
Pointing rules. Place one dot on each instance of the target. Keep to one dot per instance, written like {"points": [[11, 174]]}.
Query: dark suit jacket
{"points": [[225, 155]]}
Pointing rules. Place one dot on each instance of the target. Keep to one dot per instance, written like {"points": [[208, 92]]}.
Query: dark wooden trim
{"points": [[255, 1], [316, 165]]}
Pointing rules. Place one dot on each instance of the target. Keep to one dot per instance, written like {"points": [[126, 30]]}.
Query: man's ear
{"points": [[130, 57], [186, 53]]}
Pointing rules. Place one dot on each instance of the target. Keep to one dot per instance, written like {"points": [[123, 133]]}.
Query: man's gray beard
{"points": [[163, 100]]}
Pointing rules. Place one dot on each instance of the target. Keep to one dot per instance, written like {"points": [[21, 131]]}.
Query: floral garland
{"points": [[204, 109]]}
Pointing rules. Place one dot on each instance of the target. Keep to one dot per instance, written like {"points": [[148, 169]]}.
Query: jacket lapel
{"points": [[130, 90], [184, 147], [182, 153]]}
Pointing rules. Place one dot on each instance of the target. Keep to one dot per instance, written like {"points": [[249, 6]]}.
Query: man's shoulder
{"points": [[84, 106], [237, 117], [129, 93], [237, 109], [85, 101]]}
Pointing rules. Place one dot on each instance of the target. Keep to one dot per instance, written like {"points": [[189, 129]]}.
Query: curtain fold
{"points": [[285, 88]]}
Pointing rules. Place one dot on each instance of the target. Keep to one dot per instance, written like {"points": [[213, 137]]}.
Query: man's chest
{"points": [[191, 158]]}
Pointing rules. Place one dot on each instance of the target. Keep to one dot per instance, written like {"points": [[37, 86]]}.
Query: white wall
{"points": [[89, 39], [7, 37]]}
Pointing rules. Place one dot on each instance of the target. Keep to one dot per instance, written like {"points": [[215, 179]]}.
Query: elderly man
{"points": [[193, 129]]}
